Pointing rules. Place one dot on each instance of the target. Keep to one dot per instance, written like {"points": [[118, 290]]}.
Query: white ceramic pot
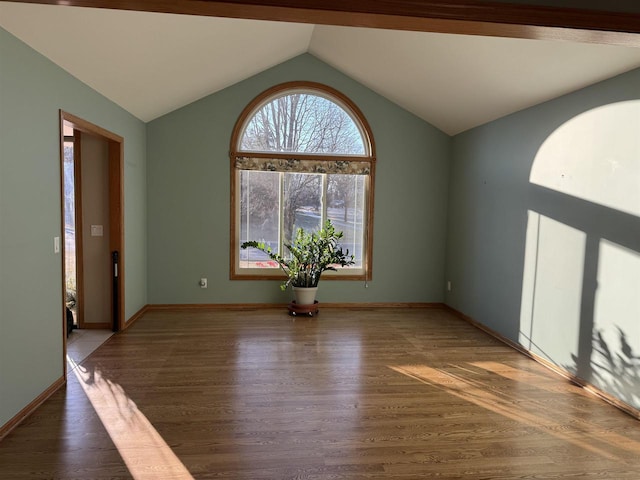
{"points": [[305, 295]]}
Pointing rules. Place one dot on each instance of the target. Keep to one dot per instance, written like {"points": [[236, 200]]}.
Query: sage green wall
{"points": [[544, 231], [32, 90], [188, 198]]}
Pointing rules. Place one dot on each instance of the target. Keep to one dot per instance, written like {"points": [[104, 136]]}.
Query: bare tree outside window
{"points": [[302, 123]]}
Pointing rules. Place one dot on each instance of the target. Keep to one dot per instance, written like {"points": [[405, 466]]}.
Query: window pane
{"points": [[303, 123], [302, 203], [69, 221], [302, 207], [259, 215], [345, 209]]}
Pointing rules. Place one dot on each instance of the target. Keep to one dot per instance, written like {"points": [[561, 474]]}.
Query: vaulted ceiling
{"points": [[152, 63]]}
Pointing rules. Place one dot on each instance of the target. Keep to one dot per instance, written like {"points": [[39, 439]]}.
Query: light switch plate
{"points": [[96, 230]]}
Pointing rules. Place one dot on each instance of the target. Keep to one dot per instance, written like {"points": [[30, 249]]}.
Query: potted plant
{"points": [[310, 254]]}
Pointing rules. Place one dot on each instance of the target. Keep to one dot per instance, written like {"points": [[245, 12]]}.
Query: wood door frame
{"points": [[115, 145]]}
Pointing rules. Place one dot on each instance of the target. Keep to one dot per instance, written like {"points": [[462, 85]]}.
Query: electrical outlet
{"points": [[203, 283], [448, 285]]}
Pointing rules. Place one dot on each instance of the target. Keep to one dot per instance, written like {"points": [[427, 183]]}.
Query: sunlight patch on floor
{"points": [[499, 402], [144, 451]]}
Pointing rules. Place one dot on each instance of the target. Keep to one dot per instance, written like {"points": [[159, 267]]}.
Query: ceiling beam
{"points": [[471, 17]]}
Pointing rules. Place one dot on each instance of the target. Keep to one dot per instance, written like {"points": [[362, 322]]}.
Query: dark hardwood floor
{"points": [[351, 394]]}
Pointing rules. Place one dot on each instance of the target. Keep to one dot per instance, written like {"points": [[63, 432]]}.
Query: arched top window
{"points": [[301, 153], [303, 118]]}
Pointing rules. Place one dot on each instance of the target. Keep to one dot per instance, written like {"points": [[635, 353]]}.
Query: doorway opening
{"points": [[92, 224], [69, 226]]}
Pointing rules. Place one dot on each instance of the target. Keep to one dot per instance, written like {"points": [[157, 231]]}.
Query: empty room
{"points": [[455, 184]]}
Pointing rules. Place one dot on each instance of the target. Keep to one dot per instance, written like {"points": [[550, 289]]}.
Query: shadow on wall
{"points": [[580, 305], [616, 366]]}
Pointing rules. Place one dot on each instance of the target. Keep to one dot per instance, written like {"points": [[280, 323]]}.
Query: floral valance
{"points": [[344, 167]]}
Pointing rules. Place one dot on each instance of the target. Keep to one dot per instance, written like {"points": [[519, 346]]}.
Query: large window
{"points": [[301, 153]]}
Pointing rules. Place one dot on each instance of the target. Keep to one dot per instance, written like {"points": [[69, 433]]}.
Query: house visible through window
{"points": [[301, 154]]}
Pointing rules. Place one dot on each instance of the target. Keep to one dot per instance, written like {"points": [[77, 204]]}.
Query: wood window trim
{"points": [[328, 92]]}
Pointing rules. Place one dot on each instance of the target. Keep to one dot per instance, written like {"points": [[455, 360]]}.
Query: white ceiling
{"points": [[152, 63]]}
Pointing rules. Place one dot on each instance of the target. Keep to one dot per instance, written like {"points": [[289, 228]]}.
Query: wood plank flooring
{"points": [[350, 394]]}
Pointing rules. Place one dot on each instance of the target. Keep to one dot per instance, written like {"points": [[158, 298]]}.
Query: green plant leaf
{"points": [[311, 254]]}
